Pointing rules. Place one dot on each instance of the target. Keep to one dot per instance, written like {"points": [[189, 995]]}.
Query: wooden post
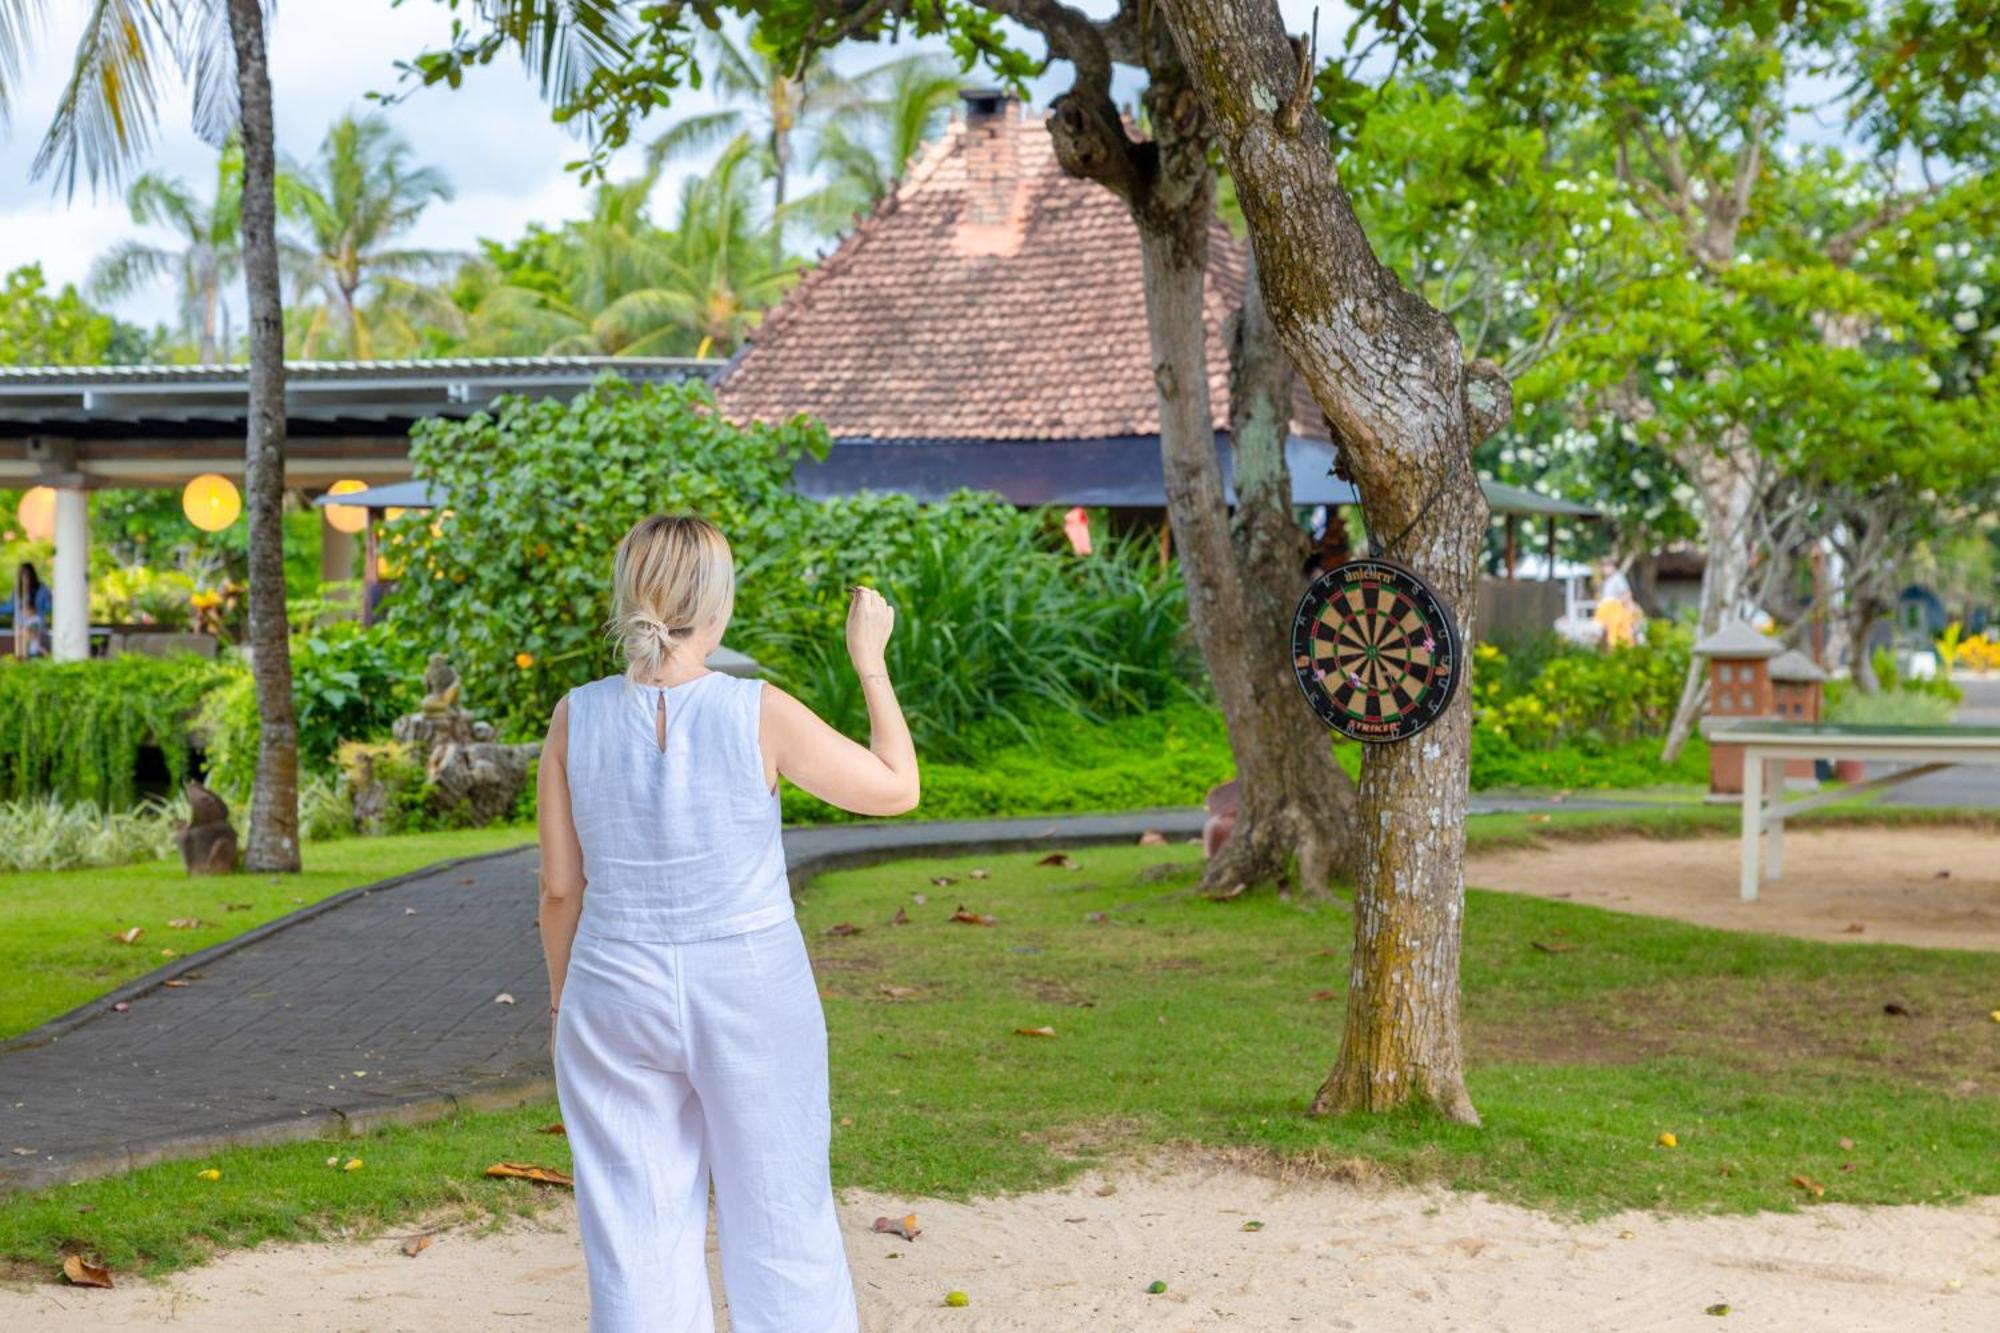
{"points": [[1508, 519], [1552, 546], [369, 574]]}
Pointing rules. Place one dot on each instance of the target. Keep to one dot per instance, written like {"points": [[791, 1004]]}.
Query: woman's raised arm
{"points": [[878, 780]]}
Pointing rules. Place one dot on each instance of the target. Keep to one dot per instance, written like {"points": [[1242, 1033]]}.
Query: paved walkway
{"points": [[372, 1006]]}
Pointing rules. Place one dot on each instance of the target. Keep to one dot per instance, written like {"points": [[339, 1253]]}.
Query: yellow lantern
{"points": [[211, 502], [38, 514], [346, 518]]}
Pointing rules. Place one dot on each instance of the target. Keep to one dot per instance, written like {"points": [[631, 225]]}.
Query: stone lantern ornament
{"points": [[1739, 686]]}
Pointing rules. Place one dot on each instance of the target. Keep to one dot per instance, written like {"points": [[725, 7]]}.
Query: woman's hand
{"points": [[869, 623]]}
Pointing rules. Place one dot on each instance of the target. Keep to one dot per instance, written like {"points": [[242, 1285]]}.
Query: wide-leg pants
{"points": [[676, 1063]]}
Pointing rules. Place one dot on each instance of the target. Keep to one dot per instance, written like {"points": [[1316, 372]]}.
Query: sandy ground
{"points": [[1935, 887], [1329, 1256]]}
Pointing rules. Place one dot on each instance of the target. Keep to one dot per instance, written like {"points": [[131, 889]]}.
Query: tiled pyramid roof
{"points": [[993, 297]]}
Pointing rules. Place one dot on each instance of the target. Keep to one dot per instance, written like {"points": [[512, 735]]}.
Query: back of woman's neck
{"points": [[672, 676]]}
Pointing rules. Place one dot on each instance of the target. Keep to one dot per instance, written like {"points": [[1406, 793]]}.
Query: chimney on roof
{"points": [[995, 194]]}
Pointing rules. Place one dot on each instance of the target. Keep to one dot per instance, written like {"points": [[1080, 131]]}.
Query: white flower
{"points": [[1965, 321], [1942, 252], [1641, 480], [1964, 249], [1664, 366], [1967, 294]]}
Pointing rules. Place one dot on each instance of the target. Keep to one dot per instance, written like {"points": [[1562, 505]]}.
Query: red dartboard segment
{"points": [[1375, 650]]}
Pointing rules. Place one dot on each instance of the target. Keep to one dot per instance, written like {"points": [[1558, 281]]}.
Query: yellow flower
{"points": [[1667, 1140], [524, 660]]}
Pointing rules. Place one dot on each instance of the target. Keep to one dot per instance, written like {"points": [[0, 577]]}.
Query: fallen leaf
{"points": [[416, 1245], [1895, 1010], [467, 879], [131, 936], [1719, 1309], [503, 998], [943, 881], [173, 983], [1995, 1015], [351, 1164], [920, 898], [238, 907], [1324, 995], [1152, 837], [1847, 1145], [1034, 1032], [972, 918], [1097, 918], [185, 923], [1253, 1226], [409, 911], [22, 1152], [556, 1128], [83, 1273], [1538, 819], [1810, 1186], [541, 1175], [978, 874], [1668, 1139], [904, 1226], [210, 1174], [1852, 928], [169, 953], [843, 928], [1942, 874], [902, 918], [1106, 1190], [120, 1007], [898, 992], [1060, 860], [1555, 946]]}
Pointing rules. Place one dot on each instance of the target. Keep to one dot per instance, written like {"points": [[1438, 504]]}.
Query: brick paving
{"points": [[376, 1006]]}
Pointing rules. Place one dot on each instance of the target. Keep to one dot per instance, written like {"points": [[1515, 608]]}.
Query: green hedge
{"points": [[73, 730]]}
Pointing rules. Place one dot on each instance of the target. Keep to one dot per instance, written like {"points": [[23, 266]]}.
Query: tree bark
{"points": [[274, 803], [1299, 817], [1726, 479], [1390, 374]]}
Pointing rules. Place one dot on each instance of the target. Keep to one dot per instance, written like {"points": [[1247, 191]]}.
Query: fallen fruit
{"points": [[1156, 1287], [957, 1299], [1668, 1139], [210, 1174], [83, 1273], [416, 1245], [353, 1164]]}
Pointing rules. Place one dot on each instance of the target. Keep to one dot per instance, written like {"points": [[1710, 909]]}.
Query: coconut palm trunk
{"points": [[273, 843]]}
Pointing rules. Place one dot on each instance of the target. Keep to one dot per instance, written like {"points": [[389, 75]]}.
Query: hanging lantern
{"points": [[349, 519], [38, 513], [211, 502]]}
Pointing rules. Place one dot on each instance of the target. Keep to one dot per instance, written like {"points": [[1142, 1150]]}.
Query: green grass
{"points": [[57, 928], [1186, 1022]]}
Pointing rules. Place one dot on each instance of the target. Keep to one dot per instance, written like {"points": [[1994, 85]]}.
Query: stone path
{"points": [[372, 1006]]}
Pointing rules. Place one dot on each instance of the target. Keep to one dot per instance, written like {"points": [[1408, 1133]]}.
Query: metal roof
{"points": [[412, 494], [1735, 639], [1504, 499]]}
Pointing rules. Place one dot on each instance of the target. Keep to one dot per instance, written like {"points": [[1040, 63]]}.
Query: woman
{"points": [[688, 1038], [29, 608]]}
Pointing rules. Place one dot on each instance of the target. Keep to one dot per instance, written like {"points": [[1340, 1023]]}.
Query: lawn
{"points": [[1181, 1021], [60, 930]]}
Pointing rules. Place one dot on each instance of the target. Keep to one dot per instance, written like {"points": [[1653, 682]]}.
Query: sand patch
{"points": [[1937, 887], [1329, 1256]]}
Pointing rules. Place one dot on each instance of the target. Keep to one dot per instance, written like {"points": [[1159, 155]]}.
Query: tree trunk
{"points": [[1727, 481], [1861, 621], [1391, 376], [1301, 813], [274, 801]]}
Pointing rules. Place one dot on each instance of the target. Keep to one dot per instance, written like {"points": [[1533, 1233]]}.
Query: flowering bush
{"points": [[1589, 698]]}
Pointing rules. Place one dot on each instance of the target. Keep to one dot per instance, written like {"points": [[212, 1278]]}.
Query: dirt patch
{"points": [[1324, 1256], [1935, 887]]}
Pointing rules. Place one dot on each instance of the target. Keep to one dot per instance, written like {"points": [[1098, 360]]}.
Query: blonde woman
{"points": [[688, 1039]]}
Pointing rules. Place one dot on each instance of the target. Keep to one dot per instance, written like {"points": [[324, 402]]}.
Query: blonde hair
{"points": [[674, 575]]}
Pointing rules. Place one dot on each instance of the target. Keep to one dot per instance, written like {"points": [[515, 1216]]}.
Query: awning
{"points": [[413, 494], [1504, 499]]}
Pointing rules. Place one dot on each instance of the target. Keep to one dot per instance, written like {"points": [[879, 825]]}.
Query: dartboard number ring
{"points": [[1376, 651]]}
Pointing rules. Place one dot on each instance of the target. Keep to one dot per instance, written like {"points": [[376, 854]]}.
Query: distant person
{"points": [[31, 626], [688, 1039], [1330, 547], [1617, 612]]}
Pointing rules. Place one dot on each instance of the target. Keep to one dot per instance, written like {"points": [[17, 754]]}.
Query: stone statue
{"points": [[441, 686], [206, 840]]}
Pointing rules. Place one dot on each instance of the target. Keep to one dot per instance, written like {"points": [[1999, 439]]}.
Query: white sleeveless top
{"points": [[683, 844]]}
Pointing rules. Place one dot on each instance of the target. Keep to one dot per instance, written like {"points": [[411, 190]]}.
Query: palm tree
{"points": [[782, 103], [103, 124], [352, 203], [626, 287], [209, 258], [864, 153]]}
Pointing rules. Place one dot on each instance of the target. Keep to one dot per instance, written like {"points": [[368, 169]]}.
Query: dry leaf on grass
{"points": [[1554, 946], [186, 923], [173, 983], [556, 1128], [83, 1273], [1060, 860], [1895, 1010], [1852, 928], [1324, 995], [898, 992], [920, 898], [843, 928], [902, 918], [1810, 1186], [238, 907], [978, 874], [416, 1245], [1034, 1032], [1152, 837], [972, 918], [541, 1175], [132, 936], [943, 881], [904, 1226], [22, 1152], [1097, 918]]}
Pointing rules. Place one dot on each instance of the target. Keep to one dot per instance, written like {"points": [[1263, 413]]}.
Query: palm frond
{"points": [[564, 43], [691, 135], [106, 116], [19, 21], [126, 267]]}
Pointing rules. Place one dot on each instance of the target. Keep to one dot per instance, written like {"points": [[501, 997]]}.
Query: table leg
{"points": [[1753, 818], [1774, 820]]}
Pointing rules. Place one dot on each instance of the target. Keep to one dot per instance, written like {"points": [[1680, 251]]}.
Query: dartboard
{"points": [[1375, 650]]}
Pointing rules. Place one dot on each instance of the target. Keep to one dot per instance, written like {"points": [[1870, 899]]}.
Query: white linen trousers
{"points": [[690, 1044]]}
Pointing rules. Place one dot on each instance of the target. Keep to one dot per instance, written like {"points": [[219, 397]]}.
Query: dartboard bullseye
{"points": [[1375, 650]]}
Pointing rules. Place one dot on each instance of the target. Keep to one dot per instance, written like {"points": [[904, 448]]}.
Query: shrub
{"points": [[48, 834], [74, 730], [1903, 707], [1597, 698]]}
